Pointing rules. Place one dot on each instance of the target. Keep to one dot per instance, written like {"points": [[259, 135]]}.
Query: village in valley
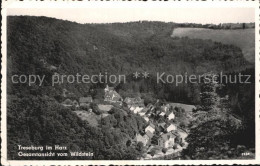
{"points": [[167, 123]]}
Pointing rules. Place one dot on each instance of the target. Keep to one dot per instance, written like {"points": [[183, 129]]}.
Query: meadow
{"points": [[242, 38]]}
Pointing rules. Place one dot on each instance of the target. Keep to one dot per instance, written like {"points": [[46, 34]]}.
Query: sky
{"points": [[109, 15]]}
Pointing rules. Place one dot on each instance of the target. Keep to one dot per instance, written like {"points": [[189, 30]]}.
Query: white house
{"points": [[162, 114], [143, 139], [146, 119], [165, 108], [171, 116], [132, 108], [141, 113], [150, 128], [171, 127], [138, 109]]}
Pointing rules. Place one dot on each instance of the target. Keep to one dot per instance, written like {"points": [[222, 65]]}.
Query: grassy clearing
{"points": [[90, 117], [244, 39]]}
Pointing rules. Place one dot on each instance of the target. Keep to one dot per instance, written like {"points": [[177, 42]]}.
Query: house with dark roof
{"points": [[162, 126], [149, 134], [112, 96], [134, 102], [85, 101]]}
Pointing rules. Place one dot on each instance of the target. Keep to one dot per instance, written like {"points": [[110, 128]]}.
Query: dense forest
{"points": [[44, 46]]}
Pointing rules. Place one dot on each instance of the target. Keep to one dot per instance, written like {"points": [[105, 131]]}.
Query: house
{"points": [[138, 109], [146, 119], [145, 110], [52, 68], [183, 134], [112, 96], [150, 106], [166, 140], [150, 128], [162, 114], [136, 102], [95, 47], [104, 115], [171, 127], [107, 89], [171, 116], [141, 113], [140, 138], [162, 126], [85, 101], [165, 108], [149, 134]]}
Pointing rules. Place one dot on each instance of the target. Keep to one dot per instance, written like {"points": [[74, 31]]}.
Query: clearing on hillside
{"points": [[242, 38]]}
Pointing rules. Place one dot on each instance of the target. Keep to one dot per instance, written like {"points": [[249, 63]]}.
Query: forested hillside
{"points": [[114, 48], [44, 46]]}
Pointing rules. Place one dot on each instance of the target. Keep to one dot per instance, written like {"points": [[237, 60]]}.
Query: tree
{"points": [[140, 146], [209, 97], [214, 129], [154, 139], [210, 137], [152, 153], [128, 143], [164, 150], [174, 147]]}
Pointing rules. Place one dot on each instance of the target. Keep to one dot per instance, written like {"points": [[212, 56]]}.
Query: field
{"points": [[244, 39], [91, 118]]}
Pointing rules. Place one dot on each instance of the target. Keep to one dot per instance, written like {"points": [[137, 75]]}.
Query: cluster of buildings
{"points": [[168, 131], [166, 138], [82, 102]]}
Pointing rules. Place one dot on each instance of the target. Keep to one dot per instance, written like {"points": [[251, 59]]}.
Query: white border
{"points": [[117, 4]]}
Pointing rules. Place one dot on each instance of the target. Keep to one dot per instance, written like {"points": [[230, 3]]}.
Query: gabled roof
{"points": [[149, 134], [109, 88], [145, 110], [162, 124], [113, 95], [168, 113], [152, 125], [135, 100], [182, 130], [149, 105], [140, 138], [85, 99], [162, 114], [168, 125], [146, 119], [167, 136]]}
